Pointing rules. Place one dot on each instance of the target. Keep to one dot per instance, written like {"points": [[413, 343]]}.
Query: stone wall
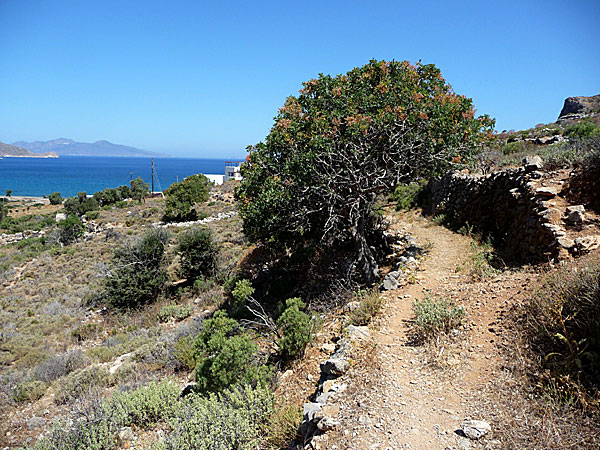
{"points": [[510, 205]]}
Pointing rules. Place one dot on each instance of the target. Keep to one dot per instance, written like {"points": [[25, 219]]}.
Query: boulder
{"points": [[310, 409], [334, 366], [546, 192], [580, 105], [355, 332], [532, 163], [60, 217], [475, 429], [36, 422]]}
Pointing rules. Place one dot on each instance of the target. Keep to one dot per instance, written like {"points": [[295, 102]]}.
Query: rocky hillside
{"points": [[7, 150], [580, 107], [69, 147]]}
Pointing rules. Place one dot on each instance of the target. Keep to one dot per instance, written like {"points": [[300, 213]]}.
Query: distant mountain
{"points": [[69, 147], [7, 150]]}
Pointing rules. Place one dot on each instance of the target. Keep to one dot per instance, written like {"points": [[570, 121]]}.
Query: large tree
{"points": [[346, 139]]}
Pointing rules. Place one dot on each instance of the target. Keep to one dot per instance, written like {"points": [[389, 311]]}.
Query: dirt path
{"points": [[416, 397]]}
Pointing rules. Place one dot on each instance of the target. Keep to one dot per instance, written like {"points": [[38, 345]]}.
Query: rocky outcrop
{"points": [[580, 106]]}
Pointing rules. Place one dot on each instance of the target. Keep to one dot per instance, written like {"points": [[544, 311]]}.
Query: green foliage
{"points": [[29, 391], [434, 316], [80, 383], [582, 130], [370, 304], [138, 189], [231, 420], [81, 204], [297, 329], [564, 328], [225, 356], [517, 147], [8, 192], [177, 312], [3, 211], [70, 230], [100, 422], [182, 197], [346, 139], [55, 198], [198, 252], [92, 215], [243, 289], [33, 222], [408, 195], [137, 273]]}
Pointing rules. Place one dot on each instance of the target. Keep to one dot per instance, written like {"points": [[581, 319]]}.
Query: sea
{"points": [[69, 175]]}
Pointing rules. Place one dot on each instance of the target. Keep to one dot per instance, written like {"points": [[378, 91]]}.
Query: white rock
{"points": [[475, 429]]}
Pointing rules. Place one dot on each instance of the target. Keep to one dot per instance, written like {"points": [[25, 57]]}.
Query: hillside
{"points": [[7, 150], [69, 147]]}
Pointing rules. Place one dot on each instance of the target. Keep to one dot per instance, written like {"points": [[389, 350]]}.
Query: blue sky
{"points": [[195, 78]]}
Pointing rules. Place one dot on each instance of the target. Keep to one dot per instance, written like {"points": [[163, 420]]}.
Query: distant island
{"points": [[69, 147], [13, 151]]}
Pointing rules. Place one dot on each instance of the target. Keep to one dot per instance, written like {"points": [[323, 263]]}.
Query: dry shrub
{"points": [[370, 304]]}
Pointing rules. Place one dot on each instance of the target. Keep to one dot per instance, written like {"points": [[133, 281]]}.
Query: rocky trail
{"points": [[405, 395]]}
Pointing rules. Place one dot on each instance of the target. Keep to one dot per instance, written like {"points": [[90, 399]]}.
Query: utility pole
{"points": [[152, 160]]}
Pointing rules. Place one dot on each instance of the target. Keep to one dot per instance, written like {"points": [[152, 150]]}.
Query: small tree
{"points": [[198, 253], [182, 197], [138, 272], [8, 192], [55, 198], [70, 230], [139, 189], [81, 204], [343, 141]]}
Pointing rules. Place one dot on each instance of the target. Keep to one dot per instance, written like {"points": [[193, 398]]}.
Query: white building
{"points": [[232, 170]]}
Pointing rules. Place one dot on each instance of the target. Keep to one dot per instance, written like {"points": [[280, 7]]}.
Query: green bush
{"points": [[176, 312], [181, 198], [408, 195], [79, 205], [92, 215], [563, 320], [243, 289], [137, 272], [80, 383], [198, 252], [297, 329], [55, 198], [225, 355], [70, 230], [231, 420], [581, 130], [434, 316], [29, 391]]}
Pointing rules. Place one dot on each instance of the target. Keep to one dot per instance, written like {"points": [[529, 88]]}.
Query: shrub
{"points": [[55, 198], [176, 312], [79, 205], [198, 252], [92, 215], [297, 329], [370, 305], [231, 420], [436, 316], [408, 195], [60, 365], [78, 384], [70, 230], [181, 198], [137, 273], [580, 130], [243, 289], [564, 327], [29, 391], [138, 189], [224, 358]]}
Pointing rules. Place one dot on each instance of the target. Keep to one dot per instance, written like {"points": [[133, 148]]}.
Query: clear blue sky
{"points": [[196, 78]]}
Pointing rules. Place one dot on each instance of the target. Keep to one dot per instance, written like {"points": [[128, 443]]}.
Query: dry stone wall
{"points": [[510, 205]]}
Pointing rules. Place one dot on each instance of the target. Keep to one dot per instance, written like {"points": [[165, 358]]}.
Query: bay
{"points": [[72, 174]]}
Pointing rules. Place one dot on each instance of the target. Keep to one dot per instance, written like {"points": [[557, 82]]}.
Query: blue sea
{"points": [[72, 174]]}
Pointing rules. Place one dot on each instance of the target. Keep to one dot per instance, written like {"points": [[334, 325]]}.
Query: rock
{"points": [[587, 244], [580, 105], [126, 434], [546, 192], [322, 399], [333, 386], [532, 163], [36, 422], [60, 217], [565, 242], [327, 423], [351, 306], [310, 409], [118, 363], [355, 332], [475, 429], [334, 366], [575, 214], [390, 282], [328, 347], [551, 215]]}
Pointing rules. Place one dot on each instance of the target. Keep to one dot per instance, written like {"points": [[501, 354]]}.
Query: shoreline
{"points": [[25, 198]]}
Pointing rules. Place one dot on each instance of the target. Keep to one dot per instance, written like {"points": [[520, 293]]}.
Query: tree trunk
{"points": [[365, 260]]}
